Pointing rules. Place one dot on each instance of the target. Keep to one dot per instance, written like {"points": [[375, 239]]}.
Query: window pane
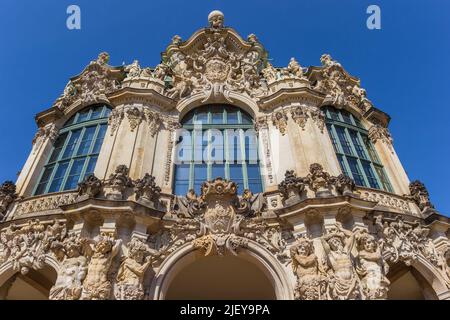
{"points": [[384, 180], [44, 180], [74, 175], [333, 138], [346, 117], [99, 139], [254, 178], [357, 144], [107, 112], [201, 172], [90, 167], [217, 170], [232, 117], [59, 176], [181, 179], [246, 119], [71, 144], [370, 149], [59, 144], [356, 172], [96, 112], [202, 117], [342, 163], [344, 141], [334, 114], [370, 175], [181, 188], [83, 115], [86, 141]]}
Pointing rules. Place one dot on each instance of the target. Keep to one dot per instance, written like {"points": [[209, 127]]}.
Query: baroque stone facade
{"points": [[312, 234]]}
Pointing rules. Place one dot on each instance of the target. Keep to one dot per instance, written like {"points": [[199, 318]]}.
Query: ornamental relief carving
{"points": [[340, 88], [347, 264], [49, 131], [95, 82]]}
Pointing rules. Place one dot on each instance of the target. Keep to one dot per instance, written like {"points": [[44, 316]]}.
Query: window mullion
{"points": [[244, 162], [192, 161], [66, 174], [361, 141], [226, 154]]}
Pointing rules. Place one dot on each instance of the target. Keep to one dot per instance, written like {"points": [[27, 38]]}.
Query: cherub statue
{"points": [[215, 19], [97, 285]]}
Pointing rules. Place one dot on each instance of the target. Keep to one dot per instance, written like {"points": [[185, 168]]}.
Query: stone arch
{"points": [[37, 283], [237, 99], [254, 253], [427, 278]]}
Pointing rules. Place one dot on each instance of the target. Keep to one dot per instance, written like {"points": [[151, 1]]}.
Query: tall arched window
{"points": [[355, 152], [226, 135], [75, 151]]}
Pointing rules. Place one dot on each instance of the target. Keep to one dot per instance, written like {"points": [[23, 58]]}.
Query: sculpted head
{"points": [[304, 247], [366, 242], [215, 19], [336, 243]]}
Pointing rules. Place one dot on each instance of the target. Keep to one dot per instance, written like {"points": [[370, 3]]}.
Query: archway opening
{"points": [[35, 285], [220, 278], [408, 284]]}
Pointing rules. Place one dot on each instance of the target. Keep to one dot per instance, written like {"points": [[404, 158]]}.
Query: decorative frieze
{"points": [[45, 203], [389, 200], [49, 131]]}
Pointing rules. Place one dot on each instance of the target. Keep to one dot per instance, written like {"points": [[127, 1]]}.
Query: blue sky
{"points": [[405, 66]]}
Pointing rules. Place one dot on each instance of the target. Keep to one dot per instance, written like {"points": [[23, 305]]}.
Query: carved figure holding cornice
{"points": [[91, 186], [279, 120], [131, 272], [295, 69], [97, 285], [344, 185], [292, 188], [72, 269], [319, 181], [7, 196], [419, 194], [117, 183], [133, 70], [371, 267], [311, 277], [344, 283], [216, 19], [147, 191]]}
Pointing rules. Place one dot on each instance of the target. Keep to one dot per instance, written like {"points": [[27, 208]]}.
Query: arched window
{"points": [[355, 152], [217, 141], [75, 151]]}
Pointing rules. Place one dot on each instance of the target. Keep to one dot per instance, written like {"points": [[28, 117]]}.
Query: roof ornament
{"points": [[215, 19]]}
